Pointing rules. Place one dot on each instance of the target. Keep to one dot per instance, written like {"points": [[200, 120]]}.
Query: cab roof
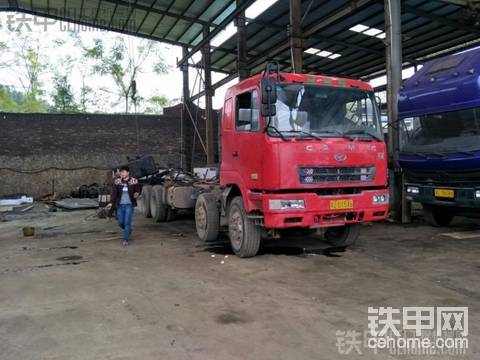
{"points": [[285, 78], [446, 84]]}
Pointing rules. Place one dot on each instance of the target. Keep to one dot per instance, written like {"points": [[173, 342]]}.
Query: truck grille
{"points": [[444, 177], [321, 175]]}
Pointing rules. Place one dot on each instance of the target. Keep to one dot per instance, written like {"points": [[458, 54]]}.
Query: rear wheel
{"points": [[437, 215], [244, 234], [145, 200], [158, 207], [341, 236], [207, 217]]}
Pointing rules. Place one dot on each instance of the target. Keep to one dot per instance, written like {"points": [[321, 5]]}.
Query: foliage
{"points": [[63, 96], [122, 64], [9, 99], [12, 100], [156, 104], [28, 64], [98, 76]]}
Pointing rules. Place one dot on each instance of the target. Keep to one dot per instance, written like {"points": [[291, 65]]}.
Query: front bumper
{"points": [[464, 197], [318, 210]]}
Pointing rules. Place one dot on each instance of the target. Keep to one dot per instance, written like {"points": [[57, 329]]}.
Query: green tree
{"points": [[10, 99], [31, 64], [63, 96], [28, 64], [156, 103], [123, 64], [85, 97]]}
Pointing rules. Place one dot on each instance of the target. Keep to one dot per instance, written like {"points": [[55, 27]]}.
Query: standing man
{"points": [[125, 192]]}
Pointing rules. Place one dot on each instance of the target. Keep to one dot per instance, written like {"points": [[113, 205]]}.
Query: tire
{"points": [[343, 236], [245, 235], [145, 200], [437, 215], [207, 217], [158, 207]]}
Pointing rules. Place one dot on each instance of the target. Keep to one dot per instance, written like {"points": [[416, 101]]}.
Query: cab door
{"points": [[247, 140]]}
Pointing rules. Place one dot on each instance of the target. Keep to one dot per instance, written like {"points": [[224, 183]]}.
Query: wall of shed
{"points": [[93, 141]]}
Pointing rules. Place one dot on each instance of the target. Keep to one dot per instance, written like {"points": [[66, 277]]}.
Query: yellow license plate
{"points": [[341, 204], [444, 193]]}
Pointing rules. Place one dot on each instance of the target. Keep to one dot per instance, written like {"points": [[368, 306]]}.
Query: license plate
{"points": [[341, 204], [444, 193]]}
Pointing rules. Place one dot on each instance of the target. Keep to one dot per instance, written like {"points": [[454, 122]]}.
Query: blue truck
{"points": [[439, 112]]}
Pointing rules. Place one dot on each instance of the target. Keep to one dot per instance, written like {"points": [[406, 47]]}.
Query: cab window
{"points": [[248, 113]]}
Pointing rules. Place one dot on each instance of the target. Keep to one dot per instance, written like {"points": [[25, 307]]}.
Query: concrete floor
{"points": [[166, 297]]}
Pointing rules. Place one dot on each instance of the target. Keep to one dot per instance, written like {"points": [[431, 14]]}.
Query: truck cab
{"points": [[439, 110], [300, 151]]}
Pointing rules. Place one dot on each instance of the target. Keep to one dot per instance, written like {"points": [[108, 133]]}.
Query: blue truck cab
{"points": [[439, 112]]}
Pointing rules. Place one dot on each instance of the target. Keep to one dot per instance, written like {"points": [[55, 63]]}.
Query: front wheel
{"points": [[437, 215], [244, 234], [342, 236]]}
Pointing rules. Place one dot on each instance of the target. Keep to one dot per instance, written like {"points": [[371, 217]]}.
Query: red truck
{"points": [[297, 151]]}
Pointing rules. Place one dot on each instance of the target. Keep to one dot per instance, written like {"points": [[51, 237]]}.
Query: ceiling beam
{"points": [[177, 20], [344, 11], [157, 11], [441, 19], [215, 16], [458, 2], [89, 24], [215, 31]]}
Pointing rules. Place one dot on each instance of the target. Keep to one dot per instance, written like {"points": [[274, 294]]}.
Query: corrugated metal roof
{"points": [[429, 27]]}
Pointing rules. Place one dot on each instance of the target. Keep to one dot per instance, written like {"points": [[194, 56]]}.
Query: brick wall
{"points": [[40, 141]]}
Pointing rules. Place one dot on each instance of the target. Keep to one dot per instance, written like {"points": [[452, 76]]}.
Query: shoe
{"points": [[125, 243]]}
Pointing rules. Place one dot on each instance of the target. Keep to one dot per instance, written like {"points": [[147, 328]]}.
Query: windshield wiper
{"points": [[303, 132], [361, 132], [277, 131]]}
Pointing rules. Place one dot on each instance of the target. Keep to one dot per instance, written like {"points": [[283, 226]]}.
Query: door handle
{"points": [[235, 154]]}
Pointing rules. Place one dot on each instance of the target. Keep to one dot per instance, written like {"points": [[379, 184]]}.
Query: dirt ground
{"points": [[73, 292]]}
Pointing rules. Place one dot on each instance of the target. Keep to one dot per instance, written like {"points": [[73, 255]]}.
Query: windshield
{"points": [[443, 132], [325, 111]]}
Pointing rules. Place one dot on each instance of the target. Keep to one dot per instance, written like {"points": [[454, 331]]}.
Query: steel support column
{"points": [[186, 85], [393, 42], [295, 33], [241, 24], [185, 111], [209, 92]]}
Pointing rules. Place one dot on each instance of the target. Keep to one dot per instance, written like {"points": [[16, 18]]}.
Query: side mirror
{"points": [[269, 96], [269, 90]]}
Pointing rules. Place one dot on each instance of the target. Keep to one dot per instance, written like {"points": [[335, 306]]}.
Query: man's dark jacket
{"points": [[133, 187]]}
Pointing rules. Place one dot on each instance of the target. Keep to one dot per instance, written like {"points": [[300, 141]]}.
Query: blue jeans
{"points": [[124, 218]]}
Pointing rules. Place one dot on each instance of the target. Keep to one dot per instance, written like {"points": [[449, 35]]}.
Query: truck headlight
{"points": [[286, 204], [413, 190], [380, 199], [477, 194]]}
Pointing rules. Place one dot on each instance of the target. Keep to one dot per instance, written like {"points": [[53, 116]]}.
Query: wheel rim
{"points": [[201, 218], [236, 228]]}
